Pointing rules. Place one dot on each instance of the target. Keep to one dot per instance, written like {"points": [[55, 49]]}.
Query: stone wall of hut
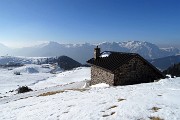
{"points": [[134, 72], [99, 75]]}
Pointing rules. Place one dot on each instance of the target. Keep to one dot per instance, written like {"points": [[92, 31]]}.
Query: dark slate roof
{"points": [[113, 61]]}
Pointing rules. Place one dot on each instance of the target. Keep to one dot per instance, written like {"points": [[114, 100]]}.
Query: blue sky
{"points": [[79, 21]]}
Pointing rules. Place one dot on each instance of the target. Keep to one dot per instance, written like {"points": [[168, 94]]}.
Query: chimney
{"points": [[96, 52]]}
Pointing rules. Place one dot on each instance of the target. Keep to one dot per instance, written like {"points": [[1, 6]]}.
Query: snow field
{"points": [[40, 79], [142, 101], [66, 77], [32, 68], [67, 98], [9, 81]]}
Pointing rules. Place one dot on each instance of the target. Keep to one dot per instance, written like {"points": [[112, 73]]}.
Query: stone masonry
{"points": [[135, 71], [99, 75]]}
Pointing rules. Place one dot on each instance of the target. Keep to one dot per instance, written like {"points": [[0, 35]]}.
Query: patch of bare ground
{"points": [[155, 118], [51, 93], [112, 113], [80, 90], [141, 119], [61, 91], [155, 109], [105, 115], [65, 112], [70, 105], [121, 99], [114, 106]]}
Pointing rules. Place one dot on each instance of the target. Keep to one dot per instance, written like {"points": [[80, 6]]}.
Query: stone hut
{"points": [[118, 68]]}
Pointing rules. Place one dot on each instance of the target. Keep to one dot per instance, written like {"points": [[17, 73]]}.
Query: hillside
{"points": [[67, 93], [67, 63], [173, 70], [165, 62], [57, 99], [38, 77]]}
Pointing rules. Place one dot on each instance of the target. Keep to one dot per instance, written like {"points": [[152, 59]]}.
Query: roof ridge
{"points": [[113, 60], [121, 52]]}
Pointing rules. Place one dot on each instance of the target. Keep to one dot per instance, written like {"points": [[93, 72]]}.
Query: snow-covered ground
{"points": [[9, 81], [136, 102], [66, 77], [65, 98], [38, 77]]}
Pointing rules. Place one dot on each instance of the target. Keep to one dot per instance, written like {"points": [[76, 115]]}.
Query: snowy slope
{"points": [[142, 101], [9, 81], [37, 77], [75, 75]]}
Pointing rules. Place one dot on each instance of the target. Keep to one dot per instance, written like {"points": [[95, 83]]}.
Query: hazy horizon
{"points": [[29, 44]]}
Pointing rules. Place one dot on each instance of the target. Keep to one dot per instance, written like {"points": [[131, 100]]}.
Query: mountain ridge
{"points": [[83, 52], [165, 62]]}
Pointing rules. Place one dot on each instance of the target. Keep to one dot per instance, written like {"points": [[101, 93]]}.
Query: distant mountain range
{"points": [[83, 52], [165, 62]]}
